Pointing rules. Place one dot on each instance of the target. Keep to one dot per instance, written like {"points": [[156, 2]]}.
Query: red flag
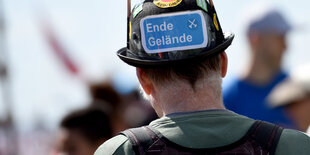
{"points": [[59, 50]]}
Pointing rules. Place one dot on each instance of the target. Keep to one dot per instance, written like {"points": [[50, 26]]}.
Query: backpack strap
{"points": [[141, 138], [266, 134]]}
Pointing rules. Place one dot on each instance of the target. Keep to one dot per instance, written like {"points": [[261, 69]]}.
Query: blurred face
{"points": [[272, 47], [268, 47], [73, 143]]}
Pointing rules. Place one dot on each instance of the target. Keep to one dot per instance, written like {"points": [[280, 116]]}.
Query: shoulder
{"points": [[293, 142], [118, 145]]}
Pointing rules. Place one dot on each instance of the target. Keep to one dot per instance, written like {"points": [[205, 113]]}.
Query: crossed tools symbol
{"points": [[192, 23]]}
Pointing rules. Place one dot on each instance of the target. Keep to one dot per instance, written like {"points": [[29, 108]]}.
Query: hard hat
{"points": [[171, 32]]}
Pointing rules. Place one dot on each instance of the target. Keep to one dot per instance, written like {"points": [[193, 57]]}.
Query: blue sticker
{"points": [[174, 31]]}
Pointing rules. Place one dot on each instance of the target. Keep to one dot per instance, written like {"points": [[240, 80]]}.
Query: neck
{"points": [[260, 71], [181, 97]]}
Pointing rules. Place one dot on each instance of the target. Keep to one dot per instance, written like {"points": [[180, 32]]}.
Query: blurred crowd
{"points": [[109, 112], [82, 130], [264, 91]]}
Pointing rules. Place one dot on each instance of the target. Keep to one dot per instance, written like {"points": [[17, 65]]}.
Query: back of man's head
{"points": [[189, 73]]}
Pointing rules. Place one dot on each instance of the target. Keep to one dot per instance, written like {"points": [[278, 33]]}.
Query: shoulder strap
{"points": [[267, 135], [141, 138]]}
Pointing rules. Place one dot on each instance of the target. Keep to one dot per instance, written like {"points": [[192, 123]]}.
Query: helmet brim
{"points": [[146, 63]]}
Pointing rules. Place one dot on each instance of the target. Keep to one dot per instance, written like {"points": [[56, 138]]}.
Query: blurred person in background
{"points": [[126, 110], [104, 95], [293, 94], [82, 131], [246, 95]]}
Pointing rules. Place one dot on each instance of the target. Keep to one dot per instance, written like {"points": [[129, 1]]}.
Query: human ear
{"points": [[145, 82], [224, 63]]}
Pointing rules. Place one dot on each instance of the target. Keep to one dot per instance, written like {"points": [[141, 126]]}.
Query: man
{"points": [[82, 131], [182, 81], [293, 94], [246, 95]]}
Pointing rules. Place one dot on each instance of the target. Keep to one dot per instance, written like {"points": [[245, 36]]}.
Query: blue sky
{"points": [[92, 31]]}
